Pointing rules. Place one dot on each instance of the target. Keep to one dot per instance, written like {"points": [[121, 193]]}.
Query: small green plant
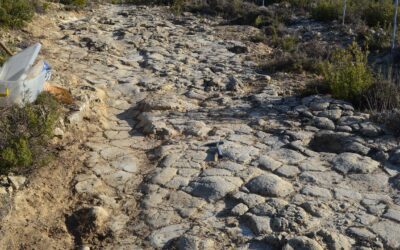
{"points": [[76, 3], [25, 132], [14, 13], [347, 73], [378, 13], [326, 10], [178, 6]]}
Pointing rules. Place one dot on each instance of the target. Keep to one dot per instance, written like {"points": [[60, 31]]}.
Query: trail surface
{"points": [[181, 143]]}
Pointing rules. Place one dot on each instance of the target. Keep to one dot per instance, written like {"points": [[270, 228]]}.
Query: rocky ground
{"points": [[180, 143]]}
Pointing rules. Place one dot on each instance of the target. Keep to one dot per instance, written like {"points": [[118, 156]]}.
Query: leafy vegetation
{"points": [[347, 73], [77, 3], [25, 133], [14, 13], [327, 10]]}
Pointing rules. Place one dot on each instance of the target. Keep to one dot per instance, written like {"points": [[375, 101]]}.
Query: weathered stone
{"points": [[162, 236], [88, 185], [361, 233], [370, 129], [393, 215], [346, 194], [324, 123], [354, 163], [211, 187], [270, 185], [334, 114], [189, 242], [317, 192], [239, 209], [164, 175], [268, 163], [250, 200], [287, 156], [335, 241], [288, 171], [302, 242], [237, 152], [389, 231], [259, 224], [126, 163], [17, 181]]}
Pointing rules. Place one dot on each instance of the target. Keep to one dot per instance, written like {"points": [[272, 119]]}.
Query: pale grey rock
{"points": [[334, 114], [170, 159], [126, 163], [395, 157], [354, 163], [211, 187], [288, 171], [118, 179], [335, 241], [369, 129], [189, 242], [216, 172], [157, 219], [164, 175], [231, 166], [286, 156], [16, 181], [162, 103], [313, 164], [324, 123], [361, 233], [317, 192], [89, 184], [389, 231], [239, 209], [321, 178], [319, 105], [268, 163], [237, 152], [162, 236], [259, 224], [350, 120], [347, 194], [196, 128], [250, 200], [302, 243], [111, 153], [270, 185], [393, 214]]}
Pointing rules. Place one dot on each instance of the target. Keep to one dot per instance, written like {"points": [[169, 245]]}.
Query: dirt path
{"points": [[179, 142]]}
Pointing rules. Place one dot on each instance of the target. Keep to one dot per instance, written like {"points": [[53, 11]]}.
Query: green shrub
{"points": [[14, 13], [25, 132], [378, 13], [383, 95], [77, 3], [3, 57], [178, 6], [295, 62], [347, 73], [326, 10]]}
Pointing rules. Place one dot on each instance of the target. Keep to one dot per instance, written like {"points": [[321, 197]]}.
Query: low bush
{"points": [[347, 73], [76, 3], [326, 10], [382, 96], [295, 62], [378, 13], [3, 57], [14, 13], [25, 132], [389, 118]]}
